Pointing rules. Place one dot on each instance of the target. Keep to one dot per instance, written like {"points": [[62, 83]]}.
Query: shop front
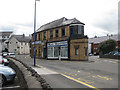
{"points": [[57, 50]]}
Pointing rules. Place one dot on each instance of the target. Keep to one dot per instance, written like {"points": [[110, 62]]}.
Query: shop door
{"points": [[56, 52]]}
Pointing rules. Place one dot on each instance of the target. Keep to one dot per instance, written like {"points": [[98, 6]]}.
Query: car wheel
{"points": [[3, 80]]}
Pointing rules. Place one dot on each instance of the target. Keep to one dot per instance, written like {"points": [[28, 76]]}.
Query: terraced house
{"points": [[61, 39]]}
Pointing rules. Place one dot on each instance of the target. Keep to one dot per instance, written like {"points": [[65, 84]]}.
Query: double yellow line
{"points": [[90, 86]]}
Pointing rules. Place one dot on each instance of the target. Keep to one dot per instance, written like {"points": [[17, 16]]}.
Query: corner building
{"points": [[63, 38]]}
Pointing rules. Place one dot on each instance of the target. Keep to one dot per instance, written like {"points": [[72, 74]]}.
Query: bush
{"points": [[107, 46]]}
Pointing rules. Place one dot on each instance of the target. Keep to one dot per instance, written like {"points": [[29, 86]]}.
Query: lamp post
{"points": [[34, 33]]}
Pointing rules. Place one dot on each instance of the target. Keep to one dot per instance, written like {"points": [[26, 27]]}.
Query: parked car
{"points": [[116, 53], [113, 53], [8, 74], [11, 55], [4, 54], [90, 54], [3, 61]]}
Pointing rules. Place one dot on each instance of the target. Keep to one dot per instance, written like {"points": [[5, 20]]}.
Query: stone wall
{"points": [[28, 78]]}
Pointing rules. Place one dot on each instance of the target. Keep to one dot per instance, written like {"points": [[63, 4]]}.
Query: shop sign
{"points": [[37, 42], [63, 43]]}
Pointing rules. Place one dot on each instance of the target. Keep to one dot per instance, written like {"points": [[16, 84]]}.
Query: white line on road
{"points": [[10, 87]]}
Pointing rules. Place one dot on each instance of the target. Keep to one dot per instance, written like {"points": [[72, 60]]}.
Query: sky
{"points": [[100, 16]]}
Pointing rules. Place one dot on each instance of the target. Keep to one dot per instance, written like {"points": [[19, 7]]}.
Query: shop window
{"points": [[76, 51], [44, 35], [63, 31], [64, 51], [51, 34], [50, 52], [56, 33]]}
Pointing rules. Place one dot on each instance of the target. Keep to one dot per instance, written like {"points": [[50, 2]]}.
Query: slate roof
{"points": [[60, 22], [21, 38], [104, 38]]}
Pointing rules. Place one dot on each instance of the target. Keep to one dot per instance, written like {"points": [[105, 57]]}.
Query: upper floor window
{"points": [[35, 36], [73, 29], [51, 34], [21, 43], [39, 36], [56, 33], [76, 29], [63, 31], [80, 29], [44, 34]]}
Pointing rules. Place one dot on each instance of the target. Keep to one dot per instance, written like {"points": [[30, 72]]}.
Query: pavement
{"points": [[95, 73], [56, 80]]}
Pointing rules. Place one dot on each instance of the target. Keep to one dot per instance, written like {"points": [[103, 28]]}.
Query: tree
{"points": [[107, 46]]}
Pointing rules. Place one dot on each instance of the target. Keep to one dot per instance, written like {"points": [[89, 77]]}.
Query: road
{"points": [[97, 72]]}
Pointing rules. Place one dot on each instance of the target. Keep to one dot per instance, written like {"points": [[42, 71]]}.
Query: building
{"points": [[61, 39], [94, 42], [19, 44], [4, 36]]}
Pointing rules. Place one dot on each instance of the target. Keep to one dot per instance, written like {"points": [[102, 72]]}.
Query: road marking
{"points": [[90, 86], [78, 71], [11, 87], [102, 77], [44, 71], [86, 81], [39, 66]]}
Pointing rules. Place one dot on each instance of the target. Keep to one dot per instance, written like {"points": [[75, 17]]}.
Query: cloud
{"points": [[109, 22], [18, 28], [6, 28]]}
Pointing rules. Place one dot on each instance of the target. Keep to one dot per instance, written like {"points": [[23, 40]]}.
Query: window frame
{"points": [[39, 36], [56, 33], [44, 35], [51, 35], [76, 51], [63, 29]]}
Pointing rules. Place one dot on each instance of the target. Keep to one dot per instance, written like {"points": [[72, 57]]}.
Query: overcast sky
{"points": [[100, 16]]}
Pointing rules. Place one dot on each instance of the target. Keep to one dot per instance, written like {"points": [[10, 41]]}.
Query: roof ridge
{"points": [[53, 21]]}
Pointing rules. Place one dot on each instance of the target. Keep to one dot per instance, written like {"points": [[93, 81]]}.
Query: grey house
{"points": [[19, 44], [4, 36]]}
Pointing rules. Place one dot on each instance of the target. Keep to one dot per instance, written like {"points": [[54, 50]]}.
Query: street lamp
{"points": [[34, 33]]}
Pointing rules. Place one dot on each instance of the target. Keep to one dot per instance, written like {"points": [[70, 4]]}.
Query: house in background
{"points": [[19, 44], [61, 39], [94, 43], [4, 36]]}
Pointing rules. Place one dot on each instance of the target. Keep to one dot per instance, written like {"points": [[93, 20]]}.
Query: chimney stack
{"points": [[23, 35]]}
